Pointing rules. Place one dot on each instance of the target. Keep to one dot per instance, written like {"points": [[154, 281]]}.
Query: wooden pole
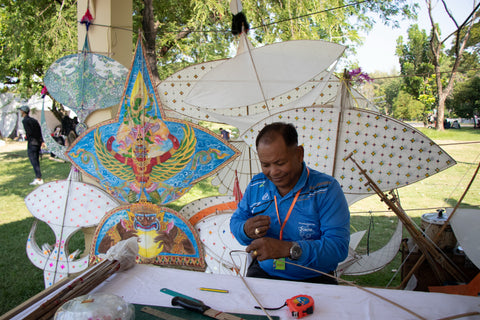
{"points": [[442, 229], [431, 252]]}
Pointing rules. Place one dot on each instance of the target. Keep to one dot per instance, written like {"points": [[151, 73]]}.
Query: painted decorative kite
{"points": [[85, 82], [141, 154], [164, 236]]}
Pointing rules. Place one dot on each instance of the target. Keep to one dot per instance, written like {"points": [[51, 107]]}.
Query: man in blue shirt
{"points": [[291, 213]]}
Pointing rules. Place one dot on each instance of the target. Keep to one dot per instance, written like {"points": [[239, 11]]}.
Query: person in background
{"points": [[225, 134], [57, 136], [291, 213], [34, 142]]}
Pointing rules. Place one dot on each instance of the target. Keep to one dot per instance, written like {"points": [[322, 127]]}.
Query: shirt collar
{"points": [[303, 179]]}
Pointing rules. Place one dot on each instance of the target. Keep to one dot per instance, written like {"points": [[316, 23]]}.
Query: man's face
{"points": [[281, 164]]}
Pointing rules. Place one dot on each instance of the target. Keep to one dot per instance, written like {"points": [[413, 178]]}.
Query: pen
{"points": [[214, 290]]}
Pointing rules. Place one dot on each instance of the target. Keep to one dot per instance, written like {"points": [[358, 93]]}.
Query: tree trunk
{"points": [[436, 49], [441, 112], [150, 28], [150, 34]]}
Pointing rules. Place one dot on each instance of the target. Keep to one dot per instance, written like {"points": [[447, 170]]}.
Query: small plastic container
{"points": [[96, 306]]}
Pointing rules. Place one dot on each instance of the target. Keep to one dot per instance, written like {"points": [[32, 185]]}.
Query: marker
{"points": [[214, 290]]}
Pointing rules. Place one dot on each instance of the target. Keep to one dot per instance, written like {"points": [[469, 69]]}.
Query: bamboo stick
{"points": [[428, 248], [30, 302], [442, 229], [79, 286]]}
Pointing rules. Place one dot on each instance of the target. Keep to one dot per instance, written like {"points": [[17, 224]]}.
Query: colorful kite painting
{"points": [[164, 236], [86, 81], [141, 154]]}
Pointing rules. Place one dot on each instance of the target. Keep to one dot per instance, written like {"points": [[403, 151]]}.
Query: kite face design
{"points": [[143, 155], [164, 236]]}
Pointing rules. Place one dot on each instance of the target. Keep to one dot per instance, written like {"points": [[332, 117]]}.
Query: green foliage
{"points": [[407, 108], [33, 35], [391, 90], [419, 78], [208, 23], [36, 33], [414, 58], [465, 102], [473, 42]]}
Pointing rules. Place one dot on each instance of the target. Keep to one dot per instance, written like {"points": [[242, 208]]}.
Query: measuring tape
{"points": [[300, 306]]}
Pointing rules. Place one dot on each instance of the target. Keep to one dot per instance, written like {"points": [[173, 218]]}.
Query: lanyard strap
{"points": [[288, 214], [289, 210]]}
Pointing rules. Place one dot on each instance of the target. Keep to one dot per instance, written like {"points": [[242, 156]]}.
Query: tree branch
{"points": [[467, 20], [182, 34]]}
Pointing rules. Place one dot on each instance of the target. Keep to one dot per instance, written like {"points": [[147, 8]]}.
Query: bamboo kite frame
{"points": [[432, 253]]}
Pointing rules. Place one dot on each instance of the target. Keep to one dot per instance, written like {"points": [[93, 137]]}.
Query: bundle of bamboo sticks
{"points": [[81, 285]]}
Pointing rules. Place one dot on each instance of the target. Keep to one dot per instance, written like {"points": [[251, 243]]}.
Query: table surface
{"points": [[142, 285]]}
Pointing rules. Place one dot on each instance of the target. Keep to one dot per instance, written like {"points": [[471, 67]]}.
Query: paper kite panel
{"points": [[245, 166], [66, 206], [317, 132], [393, 153], [175, 88], [211, 218], [86, 81], [164, 236], [263, 73]]}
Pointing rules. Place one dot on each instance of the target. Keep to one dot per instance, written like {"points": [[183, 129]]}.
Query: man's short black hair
{"points": [[270, 131]]}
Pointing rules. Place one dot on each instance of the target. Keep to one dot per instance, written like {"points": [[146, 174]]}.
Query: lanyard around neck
{"points": [[289, 210], [288, 214]]}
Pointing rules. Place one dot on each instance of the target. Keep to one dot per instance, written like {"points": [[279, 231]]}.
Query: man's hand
{"points": [[269, 248], [256, 227]]}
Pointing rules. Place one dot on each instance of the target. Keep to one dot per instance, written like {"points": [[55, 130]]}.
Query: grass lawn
{"points": [[20, 279]]}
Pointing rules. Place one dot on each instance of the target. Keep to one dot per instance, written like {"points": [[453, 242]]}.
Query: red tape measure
{"points": [[300, 306]]}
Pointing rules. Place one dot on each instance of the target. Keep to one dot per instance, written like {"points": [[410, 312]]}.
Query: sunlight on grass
{"points": [[464, 134]]}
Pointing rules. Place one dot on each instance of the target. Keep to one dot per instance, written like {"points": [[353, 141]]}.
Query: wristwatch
{"points": [[295, 251]]}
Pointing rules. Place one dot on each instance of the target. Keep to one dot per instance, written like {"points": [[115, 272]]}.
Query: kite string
{"points": [[245, 282], [325, 274], [381, 297]]}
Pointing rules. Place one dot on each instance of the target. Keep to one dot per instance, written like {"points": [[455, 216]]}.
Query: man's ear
{"points": [[300, 153]]}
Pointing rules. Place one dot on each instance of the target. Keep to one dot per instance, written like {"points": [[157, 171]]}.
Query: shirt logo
{"points": [[265, 196], [306, 230]]}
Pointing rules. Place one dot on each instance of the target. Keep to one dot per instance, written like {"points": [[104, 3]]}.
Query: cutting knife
{"points": [[200, 307]]}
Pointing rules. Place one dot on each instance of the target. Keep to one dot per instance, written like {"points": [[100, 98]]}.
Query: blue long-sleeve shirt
{"points": [[319, 222]]}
